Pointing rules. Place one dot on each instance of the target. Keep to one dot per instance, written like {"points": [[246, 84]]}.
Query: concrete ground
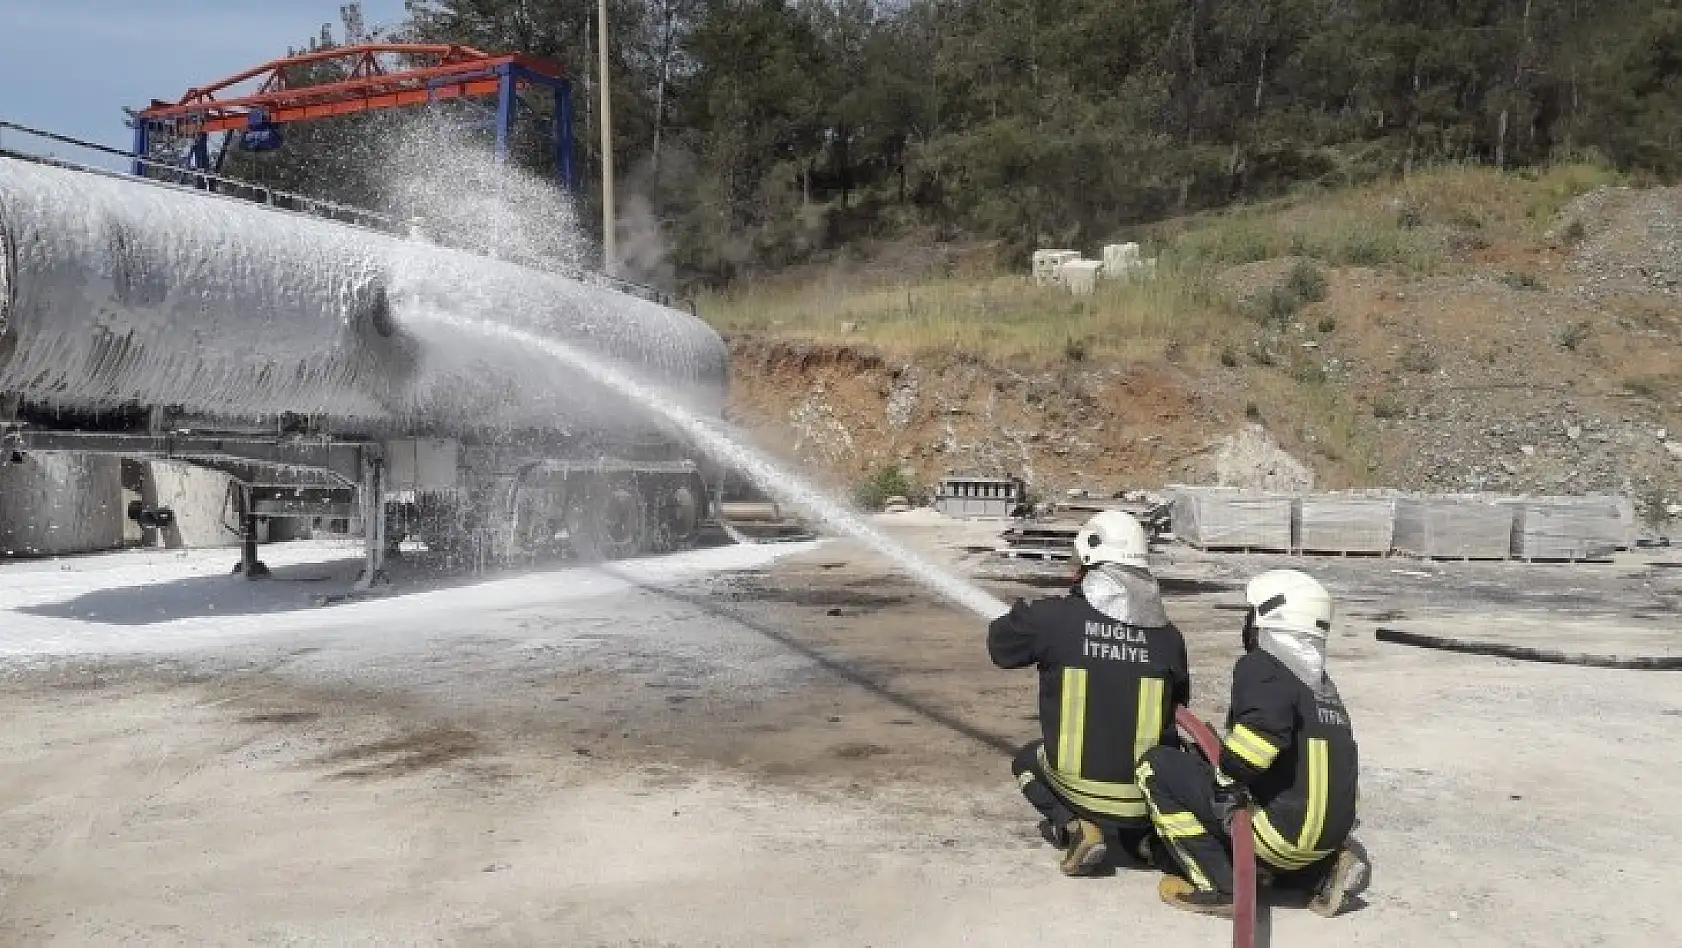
{"points": [[763, 746]]}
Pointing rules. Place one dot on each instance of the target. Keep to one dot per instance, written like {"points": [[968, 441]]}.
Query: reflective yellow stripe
{"points": [[1184, 818], [1273, 848], [1314, 819], [1168, 825], [1256, 750], [1105, 806], [1099, 796], [1178, 825], [1147, 726], [1191, 867], [1071, 727]]}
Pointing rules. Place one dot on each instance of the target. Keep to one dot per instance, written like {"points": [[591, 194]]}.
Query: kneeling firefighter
{"points": [[1112, 668], [1289, 756]]}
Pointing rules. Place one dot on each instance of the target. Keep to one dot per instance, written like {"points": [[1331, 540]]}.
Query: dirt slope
{"points": [[1541, 363]]}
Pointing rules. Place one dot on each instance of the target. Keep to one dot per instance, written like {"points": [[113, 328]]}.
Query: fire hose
{"points": [[1243, 842], [1526, 654]]}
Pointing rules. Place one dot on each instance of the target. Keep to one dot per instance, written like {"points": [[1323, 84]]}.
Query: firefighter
{"points": [[1289, 756], [1112, 668]]}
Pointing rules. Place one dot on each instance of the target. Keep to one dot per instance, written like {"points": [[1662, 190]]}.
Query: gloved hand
{"points": [[1229, 799]]}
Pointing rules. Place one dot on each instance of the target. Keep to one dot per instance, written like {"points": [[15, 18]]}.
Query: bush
{"points": [[1575, 232], [1307, 282], [1643, 387], [1468, 218], [1418, 358], [1651, 505], [1075, 350], [1251, 411], [1278, 306], [1309, 373], [1229, 358], [887, 482], [1522, 281], [1328, 323], [1573, 335], [1386, 406]]}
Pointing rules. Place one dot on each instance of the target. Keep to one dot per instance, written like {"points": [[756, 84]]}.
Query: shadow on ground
{"points": [[287, 589]]}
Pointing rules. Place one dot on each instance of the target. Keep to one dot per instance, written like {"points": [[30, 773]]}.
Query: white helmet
{"points": [[1291, 615], [1112, 537]]}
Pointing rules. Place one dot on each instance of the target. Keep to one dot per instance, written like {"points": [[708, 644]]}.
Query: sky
{"points": [[70, 66]]}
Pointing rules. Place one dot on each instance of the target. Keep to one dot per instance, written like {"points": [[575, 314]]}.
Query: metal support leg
{"points": [[505, 106], [141, 147], [373, 524], [563, 138], [249, 564]]}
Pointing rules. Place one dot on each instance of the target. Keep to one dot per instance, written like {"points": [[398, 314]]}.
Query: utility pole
{"points": [[609, 250]]}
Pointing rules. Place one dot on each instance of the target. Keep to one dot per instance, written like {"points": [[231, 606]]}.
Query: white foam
{"points": [[157, 602]]}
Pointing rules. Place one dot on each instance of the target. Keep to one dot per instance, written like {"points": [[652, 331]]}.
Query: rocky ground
{"points": [[789, 746]]}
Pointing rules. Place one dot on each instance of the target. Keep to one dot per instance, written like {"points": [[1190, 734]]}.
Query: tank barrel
{"points": [[121, 292]]}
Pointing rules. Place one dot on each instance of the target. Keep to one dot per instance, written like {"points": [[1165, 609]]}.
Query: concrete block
{"points": [[1080, 277], [1046, 263], [1119, 259]]}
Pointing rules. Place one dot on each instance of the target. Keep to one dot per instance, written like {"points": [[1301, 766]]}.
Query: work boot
{"points": [[1086, 848], [1187, 898], [1135, 854], [1055, 834], [1344, 875]]}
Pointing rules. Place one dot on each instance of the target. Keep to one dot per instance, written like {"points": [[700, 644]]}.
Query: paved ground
{"points": [[768, 747]]}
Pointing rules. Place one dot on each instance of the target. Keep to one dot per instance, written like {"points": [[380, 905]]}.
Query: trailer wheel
{"points": [[680, 513], [541, 517], [610, 522]]}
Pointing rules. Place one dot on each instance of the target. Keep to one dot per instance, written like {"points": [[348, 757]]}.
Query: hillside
{"points": [[1463, 329]]}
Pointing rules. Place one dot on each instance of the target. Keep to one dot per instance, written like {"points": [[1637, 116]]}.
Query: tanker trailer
{"points": [[305, 356]]}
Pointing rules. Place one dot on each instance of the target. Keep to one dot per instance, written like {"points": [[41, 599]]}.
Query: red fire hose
{"points": [[1243, 843]]}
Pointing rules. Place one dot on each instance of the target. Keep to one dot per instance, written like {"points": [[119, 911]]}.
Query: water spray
{"points": [[761, 470]]}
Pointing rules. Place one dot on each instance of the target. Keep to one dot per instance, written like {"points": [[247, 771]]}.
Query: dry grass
{"points": [[1410, 227], [1003, 316]]}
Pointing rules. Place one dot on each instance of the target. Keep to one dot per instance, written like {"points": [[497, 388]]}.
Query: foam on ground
{"points": [[158, 602]]}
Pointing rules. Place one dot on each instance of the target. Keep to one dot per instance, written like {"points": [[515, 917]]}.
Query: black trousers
{"points": [[1179, 786], [1125, 834]]}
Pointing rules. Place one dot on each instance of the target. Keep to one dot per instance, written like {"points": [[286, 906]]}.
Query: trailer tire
{"points": [[610, 521]]}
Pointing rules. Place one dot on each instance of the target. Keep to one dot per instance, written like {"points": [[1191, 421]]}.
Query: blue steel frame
{"points": [[509, 77]]}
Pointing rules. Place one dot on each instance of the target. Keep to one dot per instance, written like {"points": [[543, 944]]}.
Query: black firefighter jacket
{"points": [[1107, 695], [1296, 753]]}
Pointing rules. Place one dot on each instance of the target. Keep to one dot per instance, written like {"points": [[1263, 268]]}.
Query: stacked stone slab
{"points": [[1568, 528], [1453, 528], [1230, 520], [1346, 523]]}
